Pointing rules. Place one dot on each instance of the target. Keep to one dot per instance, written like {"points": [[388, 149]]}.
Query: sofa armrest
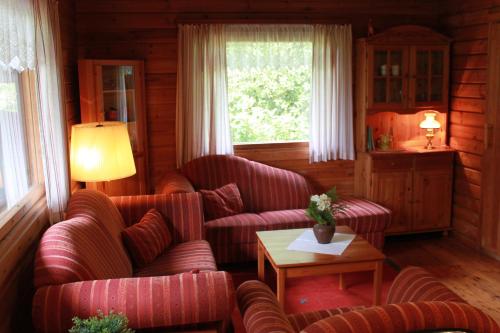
{"points": [[408, 317], [260, 309], [414, 284], [183, 212], [301, 320], [174, 182], [162, 301]]}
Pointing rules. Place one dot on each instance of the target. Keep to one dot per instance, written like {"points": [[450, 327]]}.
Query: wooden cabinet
{"points": [[416, 186], [113, 90], [406, 69]]}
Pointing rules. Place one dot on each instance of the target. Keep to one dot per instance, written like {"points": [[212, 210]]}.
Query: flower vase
{"points": [[324, 233]]}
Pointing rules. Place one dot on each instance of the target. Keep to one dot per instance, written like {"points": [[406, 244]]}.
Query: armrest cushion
{"points": [[260, 309], [414, 284], [408, 317], [150, 302], [183, 212], [173, 182]]}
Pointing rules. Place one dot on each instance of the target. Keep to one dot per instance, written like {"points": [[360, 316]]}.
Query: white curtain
{"points": [[17, 53], [51, 112], [17, 35], [331, 124], [13, 155], [202, 116]]}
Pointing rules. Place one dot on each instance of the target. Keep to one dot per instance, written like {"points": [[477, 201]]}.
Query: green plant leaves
{"points": [[111, 323], [326, 217]]}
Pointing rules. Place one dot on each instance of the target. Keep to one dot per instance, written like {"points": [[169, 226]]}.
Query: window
{"points": [[269, 90], [19, 163]]}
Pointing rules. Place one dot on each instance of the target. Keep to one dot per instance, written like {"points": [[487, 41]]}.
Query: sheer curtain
{"points": [[14, 165], [202, 117], [51, 115], [17, 53], [331, 124]]}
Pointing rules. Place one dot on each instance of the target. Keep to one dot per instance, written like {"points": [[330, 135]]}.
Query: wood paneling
{"points": [[17, 249], [467, 23], [147, 29]]}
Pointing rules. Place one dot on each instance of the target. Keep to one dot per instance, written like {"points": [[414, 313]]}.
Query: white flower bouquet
{"points": [[323, 208]]}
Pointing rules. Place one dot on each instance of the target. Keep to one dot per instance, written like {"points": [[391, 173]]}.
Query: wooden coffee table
{"points": [[358, 256]]}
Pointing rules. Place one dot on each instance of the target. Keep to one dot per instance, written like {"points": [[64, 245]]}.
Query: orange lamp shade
{"points": [[430, 121], [101, 152]]}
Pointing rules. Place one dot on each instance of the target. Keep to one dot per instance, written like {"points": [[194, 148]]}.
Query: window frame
{"points": [[26, 84]]}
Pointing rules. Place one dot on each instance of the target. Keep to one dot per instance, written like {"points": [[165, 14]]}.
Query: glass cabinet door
{"points": [[388, 71], [429, 79], [113, 90], [119, 97]]}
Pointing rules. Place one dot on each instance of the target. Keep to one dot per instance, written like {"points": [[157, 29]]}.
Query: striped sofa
{"points": [[273, 199], [416, 302], [81, 266]]}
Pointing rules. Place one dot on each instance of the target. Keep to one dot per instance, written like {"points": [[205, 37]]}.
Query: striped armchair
{"points": [[416, 302], [273, 199], [81, 266]]}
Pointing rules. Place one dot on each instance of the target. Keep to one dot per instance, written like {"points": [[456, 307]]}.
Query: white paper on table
{"points": [[307, 242]]}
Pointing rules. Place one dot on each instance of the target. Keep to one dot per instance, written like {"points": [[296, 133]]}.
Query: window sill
{"points": [[271, 145], [12, 216]]}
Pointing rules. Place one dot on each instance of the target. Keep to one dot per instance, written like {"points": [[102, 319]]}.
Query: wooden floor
{"points": [[473, 276]]}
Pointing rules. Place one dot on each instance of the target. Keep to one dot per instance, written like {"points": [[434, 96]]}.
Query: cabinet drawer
{"points": [[439, 161], [399, 163]]}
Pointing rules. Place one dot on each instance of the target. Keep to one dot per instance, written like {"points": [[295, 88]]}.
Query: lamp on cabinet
{"points": [[101, 152], [430, 124]]}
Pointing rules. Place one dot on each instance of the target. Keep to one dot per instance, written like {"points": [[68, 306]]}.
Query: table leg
{"points": [[280, 288], [261, 258], [341, 281], [377, 282]]}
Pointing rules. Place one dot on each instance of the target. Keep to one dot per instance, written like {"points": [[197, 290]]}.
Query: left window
{"points": [[19, 143]]}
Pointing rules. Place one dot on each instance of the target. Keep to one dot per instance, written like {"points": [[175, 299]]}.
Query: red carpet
{"points": [[319, 292]]}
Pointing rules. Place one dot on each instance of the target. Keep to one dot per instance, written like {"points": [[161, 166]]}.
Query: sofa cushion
{"points": [[263, 187], [287, 219], [239, 228], [147, 239], [78, 249], [183, 212], [364, 216], [222, 202], [185, 257]]}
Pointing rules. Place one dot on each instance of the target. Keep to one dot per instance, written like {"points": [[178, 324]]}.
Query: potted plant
{"points": [[111, 323], [323, 209]]}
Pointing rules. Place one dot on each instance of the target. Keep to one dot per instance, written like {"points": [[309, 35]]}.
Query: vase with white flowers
{"points": [[324, 209]]}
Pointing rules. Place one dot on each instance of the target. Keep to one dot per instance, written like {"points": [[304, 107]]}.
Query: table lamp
{"points": [[430, 124], [101, 152]]}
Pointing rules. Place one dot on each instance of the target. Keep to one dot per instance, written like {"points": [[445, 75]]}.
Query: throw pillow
{"points": [[222, 202], [147, 239]]}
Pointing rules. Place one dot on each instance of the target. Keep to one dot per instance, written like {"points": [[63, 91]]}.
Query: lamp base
{"points": [[429, 136]]}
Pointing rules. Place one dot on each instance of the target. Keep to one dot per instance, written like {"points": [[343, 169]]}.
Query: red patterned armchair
{"points": [[416, 302], [273, 199], [81, 266]]}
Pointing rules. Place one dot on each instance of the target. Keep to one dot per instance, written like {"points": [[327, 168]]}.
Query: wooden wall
{"points": [[147, 29], [467, 23]]}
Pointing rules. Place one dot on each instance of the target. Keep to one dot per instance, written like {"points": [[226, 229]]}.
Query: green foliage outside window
{"points": [[269, 88]]}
